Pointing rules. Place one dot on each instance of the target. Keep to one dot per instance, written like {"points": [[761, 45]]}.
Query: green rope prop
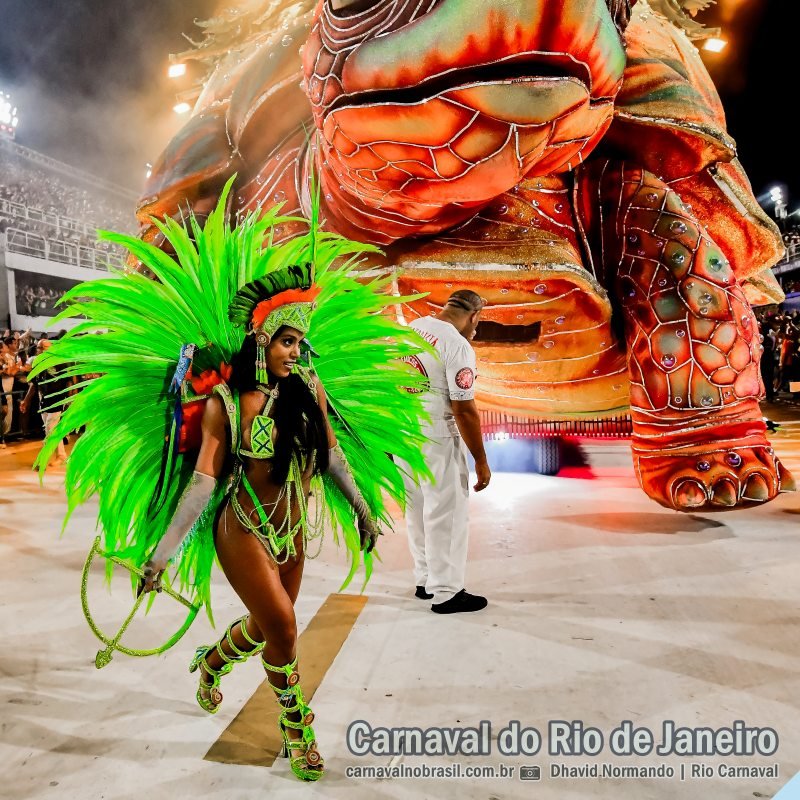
{"points": [[134, 330], [113, 643]]}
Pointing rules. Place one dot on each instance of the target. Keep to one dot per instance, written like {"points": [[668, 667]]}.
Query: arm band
{"points": [[191, 506], [343, 478]]}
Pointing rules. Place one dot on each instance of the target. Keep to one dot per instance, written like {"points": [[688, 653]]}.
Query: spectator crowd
{"points": [[40, 201], [36, 301], [780, 361], [32, 185], [791, 239], [25, 405]]}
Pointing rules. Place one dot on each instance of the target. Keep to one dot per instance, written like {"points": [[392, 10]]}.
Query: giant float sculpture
{"points": [[569, 160]]}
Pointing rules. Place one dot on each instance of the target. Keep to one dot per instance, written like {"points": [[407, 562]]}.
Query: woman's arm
{"points": [[214, 444], [197, 495]]}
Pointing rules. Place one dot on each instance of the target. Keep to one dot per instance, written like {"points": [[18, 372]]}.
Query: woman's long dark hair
{"points": [[298, 417]]}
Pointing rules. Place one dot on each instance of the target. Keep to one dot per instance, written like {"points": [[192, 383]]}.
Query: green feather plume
{"points": [[131, 329]]}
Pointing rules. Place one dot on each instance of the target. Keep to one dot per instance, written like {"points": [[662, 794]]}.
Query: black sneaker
{"points": [[463, 601], [422, 594]]}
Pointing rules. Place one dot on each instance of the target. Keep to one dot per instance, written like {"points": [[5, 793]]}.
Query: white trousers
{"points": [[437, 519], [51, 419]]}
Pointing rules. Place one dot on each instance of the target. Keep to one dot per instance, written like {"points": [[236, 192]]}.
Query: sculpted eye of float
{"points": [[353, 6]]}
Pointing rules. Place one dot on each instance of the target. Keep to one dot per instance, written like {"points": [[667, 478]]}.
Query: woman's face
{"points": [[283, 351]]}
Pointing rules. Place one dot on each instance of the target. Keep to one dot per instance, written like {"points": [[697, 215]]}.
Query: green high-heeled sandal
{"points": [[308, 765], [212, 702]]}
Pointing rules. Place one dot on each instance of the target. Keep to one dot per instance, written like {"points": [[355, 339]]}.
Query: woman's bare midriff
{"points": [[273, 496]]}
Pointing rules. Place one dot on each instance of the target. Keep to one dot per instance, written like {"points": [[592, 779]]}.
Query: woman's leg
{"points": [[256, 578], [292, 571], [243, 636], [269, 591], [239, 552]]}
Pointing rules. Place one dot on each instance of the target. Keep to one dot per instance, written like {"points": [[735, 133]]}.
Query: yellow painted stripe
{"points": [[252, 738]]}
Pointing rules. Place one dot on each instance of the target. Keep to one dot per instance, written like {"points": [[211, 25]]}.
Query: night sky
{"points": [[92, 90], [89, 78], [757, 81]]}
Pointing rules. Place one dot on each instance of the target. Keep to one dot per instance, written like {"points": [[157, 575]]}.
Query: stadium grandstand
{"points": [[788, 269], [49, 215]]}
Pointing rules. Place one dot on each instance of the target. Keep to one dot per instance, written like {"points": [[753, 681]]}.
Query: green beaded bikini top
{"points": [[263, 426]]}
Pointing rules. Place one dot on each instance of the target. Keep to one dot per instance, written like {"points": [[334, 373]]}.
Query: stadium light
{"points": [[9, 118], [181, 108], [715, 45], [176, 70], [776, 196]]}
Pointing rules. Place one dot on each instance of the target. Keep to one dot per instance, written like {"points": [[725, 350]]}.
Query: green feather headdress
{"points": [[132, 330]]}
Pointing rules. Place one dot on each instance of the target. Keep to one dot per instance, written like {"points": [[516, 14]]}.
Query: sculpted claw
{"points": [[787, 481], [757, 490], [724, 493], [689, 494], [727, 477]]}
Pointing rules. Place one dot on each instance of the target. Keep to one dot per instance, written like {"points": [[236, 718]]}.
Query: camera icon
{"points": [[530, 773]]}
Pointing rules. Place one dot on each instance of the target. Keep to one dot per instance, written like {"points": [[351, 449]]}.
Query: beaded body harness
{"points": [[276, 537]]}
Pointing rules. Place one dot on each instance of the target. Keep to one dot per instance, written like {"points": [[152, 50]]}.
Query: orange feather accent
{"points": [[266, 307]]}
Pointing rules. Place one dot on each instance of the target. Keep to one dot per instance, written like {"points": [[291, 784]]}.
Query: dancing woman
{"points": [[256, 450]]}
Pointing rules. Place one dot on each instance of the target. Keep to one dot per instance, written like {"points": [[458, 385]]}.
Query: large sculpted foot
{"points": [[729, 465], [699, 439]]}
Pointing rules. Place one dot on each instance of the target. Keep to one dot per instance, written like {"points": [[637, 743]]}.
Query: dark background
{"points": [[89, 78]]}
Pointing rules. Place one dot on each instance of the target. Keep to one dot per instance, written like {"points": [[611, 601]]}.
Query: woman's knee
{"points": [[280, 630]]}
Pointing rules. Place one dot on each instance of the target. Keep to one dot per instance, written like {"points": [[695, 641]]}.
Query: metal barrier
{"points": [[28, 244], [61, 224], [792, 251], [39, 246]]}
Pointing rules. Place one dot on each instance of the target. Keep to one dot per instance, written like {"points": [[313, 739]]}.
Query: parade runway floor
{"points": [[603, 607]]}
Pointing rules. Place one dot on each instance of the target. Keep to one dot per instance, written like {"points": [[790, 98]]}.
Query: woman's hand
{"points": [[151, 582], [369, 533]]}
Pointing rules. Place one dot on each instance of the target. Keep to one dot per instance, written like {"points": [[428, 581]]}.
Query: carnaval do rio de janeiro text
{"points": [[564, 738]]}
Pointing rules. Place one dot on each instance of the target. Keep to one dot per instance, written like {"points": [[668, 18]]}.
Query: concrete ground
{"points": [[604, 607]]}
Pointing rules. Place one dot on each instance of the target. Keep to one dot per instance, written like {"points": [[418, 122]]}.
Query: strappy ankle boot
{"points": [[200, 661], [307, 764]]}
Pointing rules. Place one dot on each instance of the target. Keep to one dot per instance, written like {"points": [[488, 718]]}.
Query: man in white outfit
{"points": [[437, 513]]}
